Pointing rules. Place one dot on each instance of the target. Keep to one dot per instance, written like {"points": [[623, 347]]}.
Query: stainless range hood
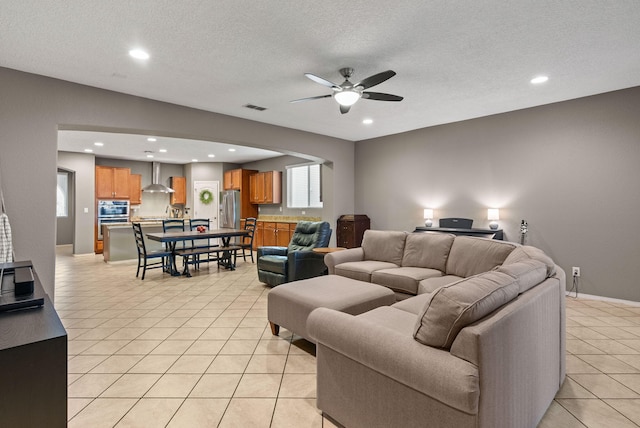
{"points": [[155, 186]]}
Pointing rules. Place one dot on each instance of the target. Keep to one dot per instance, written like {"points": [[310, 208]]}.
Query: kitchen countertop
{"points": [[287, 218]]}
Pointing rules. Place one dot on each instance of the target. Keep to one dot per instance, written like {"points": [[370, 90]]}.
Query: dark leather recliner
{"points": [[277, 265]]}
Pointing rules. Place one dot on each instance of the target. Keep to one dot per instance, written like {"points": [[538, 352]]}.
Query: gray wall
{"points": [[33, 108], [570, 169], [83, 166]]}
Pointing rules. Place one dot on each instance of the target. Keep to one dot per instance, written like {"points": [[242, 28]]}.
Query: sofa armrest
{"points": [[337, 257], [305, 264], [433, 372], [271, 251]]}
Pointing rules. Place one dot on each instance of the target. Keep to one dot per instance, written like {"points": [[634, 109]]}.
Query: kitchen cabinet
{"points": [[270, 233], [266, 187], [112, 183], [98, 247], [282, 234], [179, 185], [351, 229], [135, 189], [258, 236], [233, 179]]}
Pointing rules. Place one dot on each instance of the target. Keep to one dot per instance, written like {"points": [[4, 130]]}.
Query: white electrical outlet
{"points": [[575, 271]]}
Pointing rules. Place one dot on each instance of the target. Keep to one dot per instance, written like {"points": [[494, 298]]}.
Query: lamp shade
{"points": [[493, 214], [428, 213], [347, 97]]}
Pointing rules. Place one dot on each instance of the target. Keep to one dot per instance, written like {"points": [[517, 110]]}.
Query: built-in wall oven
{"points": [[110, 212]]}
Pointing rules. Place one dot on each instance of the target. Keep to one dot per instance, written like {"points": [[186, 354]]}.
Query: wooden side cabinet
{"points": [[33, 366], [112, 183], [135, 193], [351, 229], [179, 196]]}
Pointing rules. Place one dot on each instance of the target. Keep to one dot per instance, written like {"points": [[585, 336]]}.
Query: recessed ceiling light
{"points": [[139, 54], [211, 156], [98, 143], [151, 139], [149, 156], [194, 160], [163, 150], [367, 121], [88, 150], [232, 150], [539, 79]]}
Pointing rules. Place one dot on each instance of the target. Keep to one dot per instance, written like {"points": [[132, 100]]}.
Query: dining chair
{"points": [[144, 256], [175, 225], [200, 244], [246, 242]]}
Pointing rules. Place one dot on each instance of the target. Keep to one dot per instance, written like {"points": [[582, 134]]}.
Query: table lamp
{"points": [[493, 214], [428, 215]]}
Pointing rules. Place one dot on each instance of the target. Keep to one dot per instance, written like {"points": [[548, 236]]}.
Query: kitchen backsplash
{"points": [[153, 205]]}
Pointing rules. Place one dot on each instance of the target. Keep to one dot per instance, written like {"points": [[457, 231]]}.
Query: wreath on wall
{"points": [[206, 197]]}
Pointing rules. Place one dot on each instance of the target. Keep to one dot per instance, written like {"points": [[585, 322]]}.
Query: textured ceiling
{"points": [[454, 60]]}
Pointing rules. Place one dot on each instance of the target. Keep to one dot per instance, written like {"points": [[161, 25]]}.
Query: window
{"points": [[62, 195], [304, 186]]}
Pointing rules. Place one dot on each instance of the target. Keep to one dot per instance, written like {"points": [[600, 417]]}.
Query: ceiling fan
{"points": [[347, 94]]}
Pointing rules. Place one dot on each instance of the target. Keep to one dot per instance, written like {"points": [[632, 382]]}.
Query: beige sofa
{"points": [[476, 338]]}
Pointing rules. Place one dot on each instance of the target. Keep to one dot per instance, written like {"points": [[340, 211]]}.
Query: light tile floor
{"points": [[197, 352]]}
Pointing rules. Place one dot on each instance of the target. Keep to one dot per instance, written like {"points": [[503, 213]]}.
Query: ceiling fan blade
{"points": [[344, 109], [376, 79], [310, 98], [379, 96], [322, 81]]}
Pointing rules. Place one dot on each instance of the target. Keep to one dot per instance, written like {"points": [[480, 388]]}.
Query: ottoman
{"points": [[289, 305]]}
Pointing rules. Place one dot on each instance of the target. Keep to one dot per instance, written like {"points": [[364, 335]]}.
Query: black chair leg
{"points": [[138, 271]]}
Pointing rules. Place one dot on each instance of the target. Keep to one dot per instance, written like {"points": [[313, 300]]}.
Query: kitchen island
{"points": [[119, 243]]}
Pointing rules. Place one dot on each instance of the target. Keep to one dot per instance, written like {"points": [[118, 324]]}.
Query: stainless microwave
{"points": [[110, 209]]}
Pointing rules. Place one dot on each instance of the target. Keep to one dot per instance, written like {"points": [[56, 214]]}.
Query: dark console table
{"points": [[33, 364], [483, 233]]}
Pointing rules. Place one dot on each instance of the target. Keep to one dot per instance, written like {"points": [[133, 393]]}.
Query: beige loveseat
{"points": [[476, 339]]}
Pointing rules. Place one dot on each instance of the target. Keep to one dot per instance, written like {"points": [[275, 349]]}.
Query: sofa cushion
{"points": [[413, 305], [403, 279], [276, 264], [470, 256], [430, 285], [384, 246], [454, 306], [525, 252], [528, 273], [427, 250], [361, 270]]}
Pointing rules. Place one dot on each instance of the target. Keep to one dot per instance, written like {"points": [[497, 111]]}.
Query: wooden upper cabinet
{"points": [[233, 180], [179, 196], [112, 183], [266, 188], [253, 188], [135, 193]]}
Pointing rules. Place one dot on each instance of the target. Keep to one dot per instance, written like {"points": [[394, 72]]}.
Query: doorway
{"points": [[206, 204], [65, 212]]}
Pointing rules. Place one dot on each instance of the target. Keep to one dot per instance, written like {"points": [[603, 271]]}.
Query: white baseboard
{"points": [[602, 298]]}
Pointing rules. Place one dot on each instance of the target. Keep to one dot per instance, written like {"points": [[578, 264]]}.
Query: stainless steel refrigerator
{"points": [[230, 209]]}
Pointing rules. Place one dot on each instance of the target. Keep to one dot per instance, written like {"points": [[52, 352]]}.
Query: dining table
{"points": [[171, 239]]}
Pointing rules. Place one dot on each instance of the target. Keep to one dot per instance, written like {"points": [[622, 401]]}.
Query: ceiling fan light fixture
{"points": [[347, 97]]}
